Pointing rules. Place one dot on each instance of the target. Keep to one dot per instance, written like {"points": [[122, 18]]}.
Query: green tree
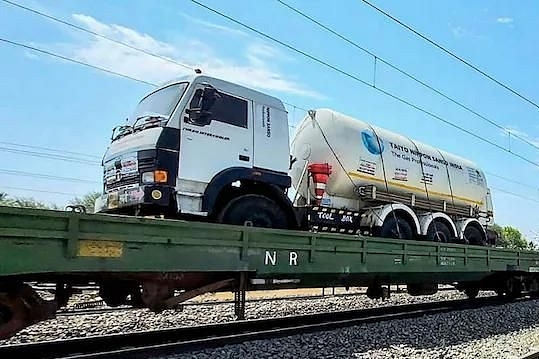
{"points": [[24, 202], [515, 238], [501, 241], [87, 201], [511, 237]]}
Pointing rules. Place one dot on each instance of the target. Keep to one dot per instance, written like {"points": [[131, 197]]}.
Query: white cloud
{"points": [[255, 67], [463, 32], [459, 31], [31, 55], [212, 26], [511, 130], [504, 20]]}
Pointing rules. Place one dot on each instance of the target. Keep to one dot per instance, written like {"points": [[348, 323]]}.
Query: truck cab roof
{"points": [[227, 86]]}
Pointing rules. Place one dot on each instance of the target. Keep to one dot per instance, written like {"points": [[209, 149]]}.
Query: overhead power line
{"points": [[45, 176], [70, 24], [514, 194], [407, 74], [14, 43], [452, 54], [50, 149], [40, 191], [67, 158], [512, 180], [376, 57], [50, 156], [53, 18], [355, 78]]}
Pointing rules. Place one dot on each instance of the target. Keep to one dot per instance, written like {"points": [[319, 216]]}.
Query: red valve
{"points": [[320, 173]]}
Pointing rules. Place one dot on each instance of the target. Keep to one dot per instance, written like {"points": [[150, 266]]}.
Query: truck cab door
{"points": [[216, 134]]}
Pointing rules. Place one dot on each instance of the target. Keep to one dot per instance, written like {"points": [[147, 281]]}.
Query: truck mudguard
{"points": [[232, 174]]}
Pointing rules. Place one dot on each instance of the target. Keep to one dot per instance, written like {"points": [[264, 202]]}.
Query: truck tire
{"points": [[474, 236], [255, 210], [389, 228], [438, 232]]}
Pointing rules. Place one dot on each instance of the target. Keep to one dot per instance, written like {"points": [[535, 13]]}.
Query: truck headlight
{"points": [[157, 176]]}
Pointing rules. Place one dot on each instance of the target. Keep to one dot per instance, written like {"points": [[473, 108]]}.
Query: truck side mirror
{"points": [[209, 96], [199, 109]]}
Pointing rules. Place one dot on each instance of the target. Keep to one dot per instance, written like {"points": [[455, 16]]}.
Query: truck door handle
{"points": [[244, 158]]}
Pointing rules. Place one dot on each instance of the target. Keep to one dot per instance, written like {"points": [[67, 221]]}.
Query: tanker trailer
{"points": [[354, 177]]}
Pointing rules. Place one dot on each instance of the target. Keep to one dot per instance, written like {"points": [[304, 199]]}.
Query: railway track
{"points": [[99, 306], [531, 355], [96, 307], [184, 339]]}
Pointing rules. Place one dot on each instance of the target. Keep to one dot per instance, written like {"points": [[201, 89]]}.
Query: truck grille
{"points": [[125, 181], [146, 164]]}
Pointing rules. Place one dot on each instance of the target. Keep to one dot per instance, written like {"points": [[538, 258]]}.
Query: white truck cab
{"points": [[200, 146]]}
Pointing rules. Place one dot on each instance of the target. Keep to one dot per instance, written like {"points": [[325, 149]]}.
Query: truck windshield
{"points": [[160, 103]]}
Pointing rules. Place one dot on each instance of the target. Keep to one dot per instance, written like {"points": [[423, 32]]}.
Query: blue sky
{"points": [[47, 102]]}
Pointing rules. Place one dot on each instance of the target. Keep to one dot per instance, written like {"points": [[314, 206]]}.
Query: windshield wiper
{"points": [[150, 119], [122, 131]]}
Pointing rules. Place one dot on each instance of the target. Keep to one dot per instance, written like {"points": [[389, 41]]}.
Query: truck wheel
{"points": [[389, 228], [438, 232], [256, 210], [474, 236]]}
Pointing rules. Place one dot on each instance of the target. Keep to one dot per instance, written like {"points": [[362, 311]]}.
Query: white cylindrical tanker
{"points": [[362, 154]]}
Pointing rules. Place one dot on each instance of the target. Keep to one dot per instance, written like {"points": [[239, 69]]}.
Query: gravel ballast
{"points": [[142, 319], [507, 331]]}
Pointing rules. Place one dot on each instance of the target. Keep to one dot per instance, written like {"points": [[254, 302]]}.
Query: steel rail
{"points": [[534, 354], [185, 339], [96, 309]]}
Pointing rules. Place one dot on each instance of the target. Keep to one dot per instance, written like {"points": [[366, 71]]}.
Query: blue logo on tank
{"points": [[373, 143]]}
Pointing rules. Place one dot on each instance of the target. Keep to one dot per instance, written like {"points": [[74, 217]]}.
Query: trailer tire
{"points": [[474, 236], [438, 232], [254, 209], [389, 228]]}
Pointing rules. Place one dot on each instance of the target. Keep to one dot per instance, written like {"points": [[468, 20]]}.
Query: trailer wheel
{"points": [[438, 232], [253, 209], [474, 236], [396, 227]]}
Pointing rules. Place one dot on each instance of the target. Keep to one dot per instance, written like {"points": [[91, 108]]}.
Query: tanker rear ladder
{"points": [[371, 194]]}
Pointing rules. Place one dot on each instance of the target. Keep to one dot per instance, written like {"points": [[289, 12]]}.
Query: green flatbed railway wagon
{"points": [[159, 263]]}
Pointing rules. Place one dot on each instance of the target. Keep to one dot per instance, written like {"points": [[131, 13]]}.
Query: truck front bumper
{"points": [[135, 197]]}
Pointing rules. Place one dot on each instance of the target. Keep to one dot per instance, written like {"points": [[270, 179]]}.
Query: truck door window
{"points": [[226, 109], [231, 110]]}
